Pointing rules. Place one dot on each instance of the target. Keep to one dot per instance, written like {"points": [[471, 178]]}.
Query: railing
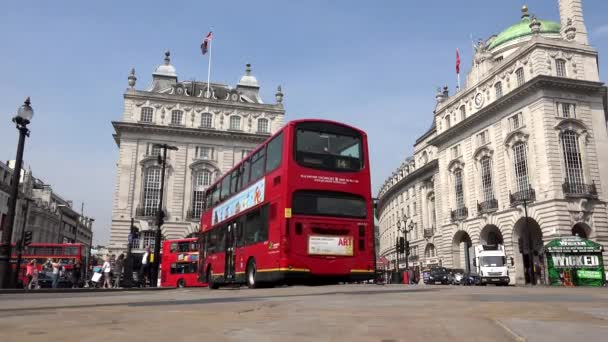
{"points": [[579, 189], [148, 212], [526, 195], [429, 232], [487, 206], [460, 214]]}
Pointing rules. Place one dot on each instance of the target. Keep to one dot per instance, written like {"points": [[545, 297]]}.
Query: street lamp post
{"points": [[159, 213], [22, 119], [21, 242], [402, 227]]}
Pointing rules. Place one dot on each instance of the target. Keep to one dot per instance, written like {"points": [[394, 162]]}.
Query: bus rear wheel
{"points": [[181, 283], [251, 274], [212, 284]]}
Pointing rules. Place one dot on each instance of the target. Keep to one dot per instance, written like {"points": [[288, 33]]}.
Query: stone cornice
{"points": [[535, 43], [424, 171], [514, 96], [122, 127], [199, 101]]}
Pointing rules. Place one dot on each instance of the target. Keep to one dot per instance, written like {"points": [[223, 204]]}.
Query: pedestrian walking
{"points": [[118, 268], [56, 266], [145, 267], [76, 275], [107, 268], [29, 272]]}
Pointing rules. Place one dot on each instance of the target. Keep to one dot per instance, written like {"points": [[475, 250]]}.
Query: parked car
{"points": [[470, 279], [438, 275], [456, 276], [46, 282]]}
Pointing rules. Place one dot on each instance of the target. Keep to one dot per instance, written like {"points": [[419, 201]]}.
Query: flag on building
{"points": [[457, 62], [206, 42]]}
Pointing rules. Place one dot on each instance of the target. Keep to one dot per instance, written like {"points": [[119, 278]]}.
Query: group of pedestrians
{"points": [[55, 268], [112, 270]]}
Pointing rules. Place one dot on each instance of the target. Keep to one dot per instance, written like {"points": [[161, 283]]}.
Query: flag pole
{"points": [[458, 76], [209, 70]]}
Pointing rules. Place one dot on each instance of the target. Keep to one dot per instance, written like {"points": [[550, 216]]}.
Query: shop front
{"points": [[573, 261]]}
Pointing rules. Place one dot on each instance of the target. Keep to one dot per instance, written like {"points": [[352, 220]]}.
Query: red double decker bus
{"points": [[67, 254], [179, 263], [297, 209]]}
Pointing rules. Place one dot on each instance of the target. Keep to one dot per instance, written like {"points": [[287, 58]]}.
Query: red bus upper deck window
{"points": [[328, 146]]}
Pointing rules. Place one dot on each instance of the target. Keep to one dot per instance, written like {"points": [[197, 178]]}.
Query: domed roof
{"points": [[166, 69], [249, 80], [522, 29]]}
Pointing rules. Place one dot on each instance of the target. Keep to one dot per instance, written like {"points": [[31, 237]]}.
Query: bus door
{"points": [[229, 271]]}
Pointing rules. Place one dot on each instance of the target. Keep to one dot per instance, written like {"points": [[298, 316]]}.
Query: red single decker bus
{"points": [[297, 209], [179, 263]]}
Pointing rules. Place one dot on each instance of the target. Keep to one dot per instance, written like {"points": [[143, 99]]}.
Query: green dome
{"points": [[522, 29]]}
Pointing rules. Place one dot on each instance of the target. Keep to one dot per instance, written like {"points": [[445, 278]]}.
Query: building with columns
{"points": [[213, 128], [514, 157]]}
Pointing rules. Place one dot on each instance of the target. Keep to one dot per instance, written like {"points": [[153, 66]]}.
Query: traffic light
{"points": [[401, 245], [407, 248], [27, 240]]}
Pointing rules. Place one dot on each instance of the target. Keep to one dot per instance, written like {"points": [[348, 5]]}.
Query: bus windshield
{"points": [[326, 203], [322, 147]]}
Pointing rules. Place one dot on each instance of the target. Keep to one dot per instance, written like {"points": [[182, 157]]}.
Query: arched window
{"points": [[201, 180], [425, 158], [520, 162], [463, 112], [448, 123], [176, 117], [235, 123], [573, 163], [560, 67], [498, 88], [458, 188], [262, 126], [431, 210], [147, 114], [206, 120], [486, 179], [151, 190], [519, 73]]}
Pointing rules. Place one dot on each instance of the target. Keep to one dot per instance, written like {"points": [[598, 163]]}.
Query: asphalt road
{"points": [[324, 313]]}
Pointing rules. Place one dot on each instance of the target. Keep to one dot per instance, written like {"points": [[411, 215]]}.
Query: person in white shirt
{"points": [[145, 267], [107, 268]]}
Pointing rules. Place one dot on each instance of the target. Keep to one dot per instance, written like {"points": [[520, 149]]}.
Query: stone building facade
{"points": [[213, 128], [514, 157]]}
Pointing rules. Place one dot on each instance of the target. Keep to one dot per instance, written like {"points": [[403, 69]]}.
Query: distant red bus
{"points": [[67, 254], [179, 263], [297, 209]]}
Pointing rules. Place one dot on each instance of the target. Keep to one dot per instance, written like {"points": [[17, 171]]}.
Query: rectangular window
{"points": [[147, 114], [176, 117], [560, 67], [235, 183], [274, 153], [203, 152], [206, 120], [486, 179], [566, 110], [328, 146], [498, 88], [482, 138], [458, 188], [520, 159], [520, 77], [246, 166], [257, 164], [225, 187], [253, 227], [235, 123], [245, 153], [153, 150], [151, 190], [215, 195], [328, 203], [183, 267], [262, 126], [516, 121], [572, 159], [456, 153]]}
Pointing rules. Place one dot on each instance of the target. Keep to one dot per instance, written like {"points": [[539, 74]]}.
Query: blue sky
{"points": [[373, 64]]}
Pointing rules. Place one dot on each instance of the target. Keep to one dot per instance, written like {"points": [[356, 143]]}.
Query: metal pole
{"points": [[407, 254], [21, 243], [159, 218], [7, 233]]}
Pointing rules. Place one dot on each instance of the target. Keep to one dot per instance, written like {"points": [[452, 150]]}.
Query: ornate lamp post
{"points": [[402, 227], [160, 214], [24, 116]]}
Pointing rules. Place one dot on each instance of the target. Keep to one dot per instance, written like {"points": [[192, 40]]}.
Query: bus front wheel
{"points": [[212, 284], [251, 274], [181, 283]]}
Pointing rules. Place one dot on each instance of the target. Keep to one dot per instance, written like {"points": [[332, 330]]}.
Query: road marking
{"points": [[510, 331]]}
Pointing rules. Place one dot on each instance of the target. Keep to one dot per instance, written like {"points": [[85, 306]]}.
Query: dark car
{"points": [[439, 275], [470, 279]]}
